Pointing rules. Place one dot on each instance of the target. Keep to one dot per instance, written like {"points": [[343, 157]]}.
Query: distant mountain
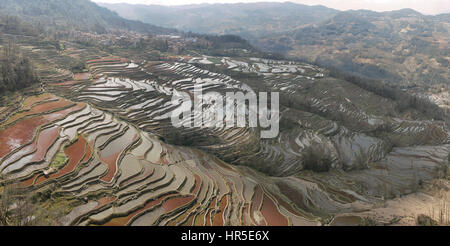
{"points": [[402, 46], [442, 17], [249, 20], [82, 15], [56, 19]]}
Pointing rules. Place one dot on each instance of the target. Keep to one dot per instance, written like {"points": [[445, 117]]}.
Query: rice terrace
{"points": [[91, 140]]}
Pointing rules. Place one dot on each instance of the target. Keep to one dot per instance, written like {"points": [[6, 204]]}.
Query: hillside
{"points": [[247, 20], [402, 46], [92, 140], [16, 70], [98, 148], [81, 15]]}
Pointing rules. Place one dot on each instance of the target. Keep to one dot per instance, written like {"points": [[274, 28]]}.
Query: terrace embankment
{"points": [[104, 142]]}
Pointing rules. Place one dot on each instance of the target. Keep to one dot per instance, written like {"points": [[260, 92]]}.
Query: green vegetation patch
{"points": [[59, 160], [215, 60], [424, 220]]}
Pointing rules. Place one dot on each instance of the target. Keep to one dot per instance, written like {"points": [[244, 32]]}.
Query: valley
{"points": [[90, 140], [101, 144], [406, 48]]}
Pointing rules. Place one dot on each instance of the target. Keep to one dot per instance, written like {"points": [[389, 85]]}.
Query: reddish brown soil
{"points": [[24, 130], [112, 166], [67, 83], [50, 106], [81, 76], [75, 153], [163, 161], [88, 154], [19, 134], [174, 203], [104, 59], [218, 217], [63, 113], [111, 161], [246, 211], [29, 101], [211, 206], [271, 213], [121, 221], [198, 183], [46, 138], [293, 195], [28, 182], [41, 108], [104, 201]]}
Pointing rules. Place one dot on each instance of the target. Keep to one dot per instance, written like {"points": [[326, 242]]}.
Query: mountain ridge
{"points": [[209, 18], [402, 46], [82, 15]]}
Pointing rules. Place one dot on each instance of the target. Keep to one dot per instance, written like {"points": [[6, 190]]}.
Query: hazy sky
{"points": [[424, 6]]}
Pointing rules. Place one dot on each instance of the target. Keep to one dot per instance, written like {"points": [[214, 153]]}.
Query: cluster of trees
{"points": [[16, 209], [82, 15], [224, 45], [346, 63], [315, 159], [16, 70], [14, 25], [19, 208], [85, 22], [403, 99]]}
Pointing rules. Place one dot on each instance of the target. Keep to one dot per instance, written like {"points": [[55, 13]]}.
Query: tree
{"points": [[16, 208], [316, 159], [16, 70]]}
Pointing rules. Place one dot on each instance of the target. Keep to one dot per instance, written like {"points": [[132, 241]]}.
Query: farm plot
{"points": [[103, 142], [85, 152]]}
